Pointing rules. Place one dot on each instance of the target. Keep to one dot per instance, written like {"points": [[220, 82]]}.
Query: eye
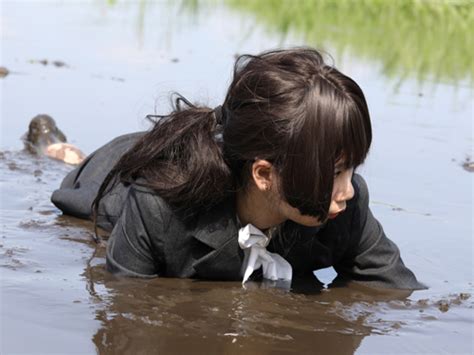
{"points": [[337, 173]]}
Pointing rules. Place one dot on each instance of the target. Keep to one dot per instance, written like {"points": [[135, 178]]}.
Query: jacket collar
{"points": [[218, 230]]}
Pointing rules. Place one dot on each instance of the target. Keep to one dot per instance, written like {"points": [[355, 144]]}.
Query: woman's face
{"points": [[342, 191]]}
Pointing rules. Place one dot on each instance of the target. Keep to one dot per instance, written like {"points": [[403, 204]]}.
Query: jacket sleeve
{"points": [[370, 257], [136, 242], [80, 186]]}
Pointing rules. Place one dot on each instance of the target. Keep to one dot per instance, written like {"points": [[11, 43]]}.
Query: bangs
{"points": [[334, 125], [353, 135]]}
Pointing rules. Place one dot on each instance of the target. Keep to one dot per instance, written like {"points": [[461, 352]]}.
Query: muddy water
{"points": [[120, 62]]}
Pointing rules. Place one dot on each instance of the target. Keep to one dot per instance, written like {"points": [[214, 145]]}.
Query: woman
{"points": [[267, 179]]}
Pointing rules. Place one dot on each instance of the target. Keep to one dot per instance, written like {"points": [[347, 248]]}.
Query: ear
{"points": [[262, 174]]}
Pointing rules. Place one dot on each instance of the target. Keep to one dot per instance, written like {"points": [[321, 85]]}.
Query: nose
{"points": [[346, 192]]}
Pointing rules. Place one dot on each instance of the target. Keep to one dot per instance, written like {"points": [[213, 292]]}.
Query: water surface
{"points": [[122, 60]]}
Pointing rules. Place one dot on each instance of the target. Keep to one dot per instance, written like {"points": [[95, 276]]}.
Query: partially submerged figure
{"points": [[264, 181], [44, 137]]}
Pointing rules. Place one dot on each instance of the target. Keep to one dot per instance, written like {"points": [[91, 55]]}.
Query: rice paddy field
{"points": [[98, 67]]}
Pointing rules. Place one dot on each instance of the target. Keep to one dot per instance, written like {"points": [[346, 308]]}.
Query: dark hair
{"points": [[284, 106]]}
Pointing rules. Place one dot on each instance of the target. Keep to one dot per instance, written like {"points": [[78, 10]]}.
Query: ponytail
{"points": [[179, 158]]}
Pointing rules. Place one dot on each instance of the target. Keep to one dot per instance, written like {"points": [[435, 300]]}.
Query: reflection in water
{"points": [[424, 39], [179, 316], [174, 8], [427, 39]]}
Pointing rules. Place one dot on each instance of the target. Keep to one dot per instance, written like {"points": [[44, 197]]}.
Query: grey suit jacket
{"points": [[150, 239]]}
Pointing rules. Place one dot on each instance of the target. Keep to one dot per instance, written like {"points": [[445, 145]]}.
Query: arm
{"points": [[65, 152], [370, 257], [135, 244]]}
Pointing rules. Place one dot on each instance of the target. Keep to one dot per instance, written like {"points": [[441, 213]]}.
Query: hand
{"points": [[65, 152]]}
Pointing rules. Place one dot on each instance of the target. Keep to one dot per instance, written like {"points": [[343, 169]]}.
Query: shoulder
{"points": [[360, 201], [125, 139], [114, 149], [360, 187], [153, 210], [147, 200]]}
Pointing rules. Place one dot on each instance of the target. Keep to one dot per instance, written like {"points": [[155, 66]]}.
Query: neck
{"points": [[256, 208]]}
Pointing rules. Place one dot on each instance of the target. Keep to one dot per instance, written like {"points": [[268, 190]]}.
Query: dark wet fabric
{"points": [[79, 188], [150, 239]]}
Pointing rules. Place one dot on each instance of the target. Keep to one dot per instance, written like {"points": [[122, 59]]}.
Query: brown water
{"points": [[56, 296]]}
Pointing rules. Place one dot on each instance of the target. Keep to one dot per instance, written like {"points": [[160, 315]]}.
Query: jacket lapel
{"points": [[218, 230]]}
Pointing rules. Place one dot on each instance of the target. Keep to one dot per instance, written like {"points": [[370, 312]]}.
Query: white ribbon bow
{"points": [[254, 242]]}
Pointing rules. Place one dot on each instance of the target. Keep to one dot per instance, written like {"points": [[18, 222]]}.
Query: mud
{"points": [[4, 72], [45, 62], [54, 287]]}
